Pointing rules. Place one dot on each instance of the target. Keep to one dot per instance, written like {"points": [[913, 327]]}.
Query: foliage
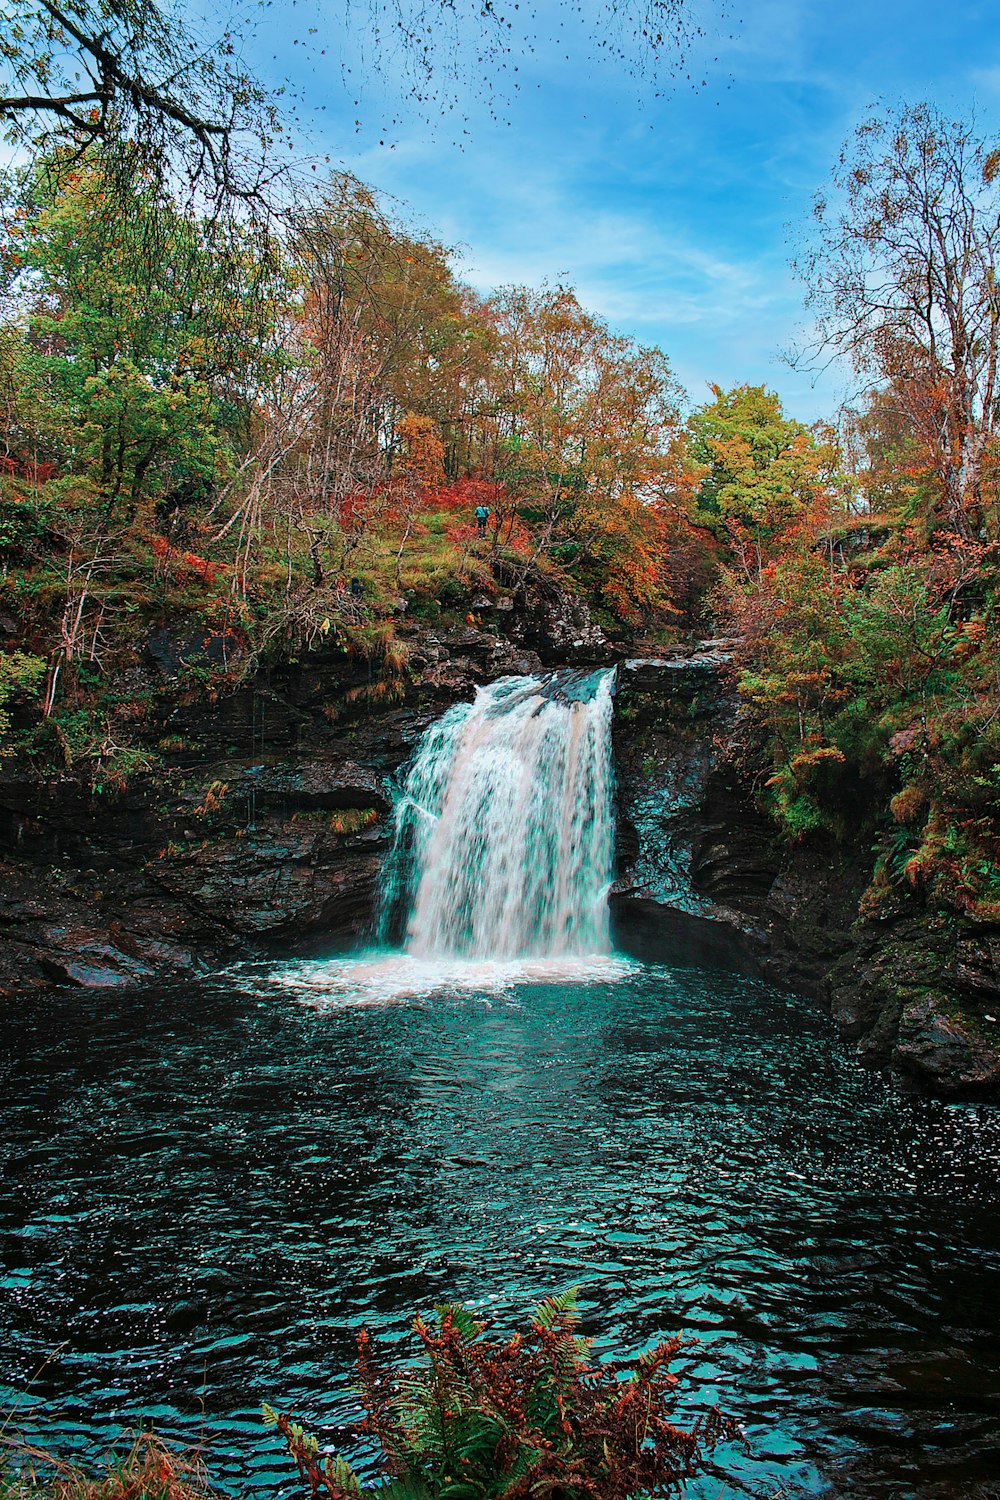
{"points": [[20, 674], [140, 339], [584, 432], [868, 659], [864, 569], [763, 473], [528, 1416]]}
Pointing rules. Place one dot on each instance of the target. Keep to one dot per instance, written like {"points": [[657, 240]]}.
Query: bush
{"points": [[531, 1416]]}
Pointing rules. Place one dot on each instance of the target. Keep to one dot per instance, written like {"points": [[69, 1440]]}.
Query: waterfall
{"points": [[504, 832]]}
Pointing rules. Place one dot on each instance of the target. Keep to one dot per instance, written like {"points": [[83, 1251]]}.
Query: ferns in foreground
{"points": [[529, 1416]]}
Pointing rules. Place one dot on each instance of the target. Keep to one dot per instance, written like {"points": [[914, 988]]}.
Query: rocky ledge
{"points": [[703, 876], [265, 824]]}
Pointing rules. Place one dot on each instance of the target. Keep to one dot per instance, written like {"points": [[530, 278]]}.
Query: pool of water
{"points": [[206, 1191]]}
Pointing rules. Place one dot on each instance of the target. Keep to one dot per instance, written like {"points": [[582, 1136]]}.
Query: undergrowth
{"points": [[149, 1471], [529, 1416]]}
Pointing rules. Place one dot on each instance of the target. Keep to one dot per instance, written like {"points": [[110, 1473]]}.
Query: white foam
{"points": [[504, 837], [382, 978]]}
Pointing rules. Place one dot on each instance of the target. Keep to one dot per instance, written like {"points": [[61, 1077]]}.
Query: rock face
{"points": [[264, 830], [266, 825], [925, 994], [703, 878]]}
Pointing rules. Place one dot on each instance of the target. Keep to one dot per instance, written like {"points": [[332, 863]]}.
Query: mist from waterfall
{"points": [[504, 832]]}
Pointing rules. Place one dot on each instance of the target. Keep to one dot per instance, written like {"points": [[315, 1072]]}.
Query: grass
{"points": [[149, 1471]]}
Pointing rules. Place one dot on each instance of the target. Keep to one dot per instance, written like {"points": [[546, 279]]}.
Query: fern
{"points": [[561, 1308], [517, 1419], [462, 1320]]}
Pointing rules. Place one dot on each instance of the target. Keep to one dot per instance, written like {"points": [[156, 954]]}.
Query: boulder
{"points": [[946, 1049]]}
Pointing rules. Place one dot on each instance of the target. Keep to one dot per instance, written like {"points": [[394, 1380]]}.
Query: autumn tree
{"points": [[378, 308], [350, 441], [902, 278], [579, 425]]}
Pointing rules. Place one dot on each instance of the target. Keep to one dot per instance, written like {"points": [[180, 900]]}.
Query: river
{"points": [[207, 1191]]}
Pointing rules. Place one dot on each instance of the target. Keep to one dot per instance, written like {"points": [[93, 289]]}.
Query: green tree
{"points": [[134, 351], [763, 471], [142, 346]]}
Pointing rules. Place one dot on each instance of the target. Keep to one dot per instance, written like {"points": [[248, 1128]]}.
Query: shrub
{"points": [[530, 1416]]}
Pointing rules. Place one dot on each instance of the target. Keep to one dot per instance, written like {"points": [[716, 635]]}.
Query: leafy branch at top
{"points": [[119, 71]]}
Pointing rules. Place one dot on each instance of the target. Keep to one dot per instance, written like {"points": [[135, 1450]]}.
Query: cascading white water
{"points": [[504, 835]]}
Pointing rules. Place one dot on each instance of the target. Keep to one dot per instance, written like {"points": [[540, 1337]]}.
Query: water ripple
{"points": [[207, 1192]]}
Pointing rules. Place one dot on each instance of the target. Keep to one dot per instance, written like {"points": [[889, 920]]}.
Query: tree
{"points": [[365, 340], [580, 426], [903, 278], [142, 344], [114, 71], [134, 353], [763, 471]]}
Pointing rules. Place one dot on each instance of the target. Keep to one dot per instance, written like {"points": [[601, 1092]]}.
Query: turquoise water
{"points": [[205, 1192]]}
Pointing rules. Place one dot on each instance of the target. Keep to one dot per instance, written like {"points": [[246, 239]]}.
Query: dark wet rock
{"points": [[464, 655], [702, 877], [117, 971], [659, 933], [684, 671], [262, 828], [945, 1047], [502, 604], [668, 713], [921, 992], [311, 785], [558, 628], [70, 931], [277, 881], [172, 647]]}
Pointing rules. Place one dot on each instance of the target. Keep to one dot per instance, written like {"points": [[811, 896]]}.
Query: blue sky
{"points": [[673, 216]]}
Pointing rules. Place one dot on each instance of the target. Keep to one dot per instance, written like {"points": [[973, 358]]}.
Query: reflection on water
{"points": [[206, 1192]]}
